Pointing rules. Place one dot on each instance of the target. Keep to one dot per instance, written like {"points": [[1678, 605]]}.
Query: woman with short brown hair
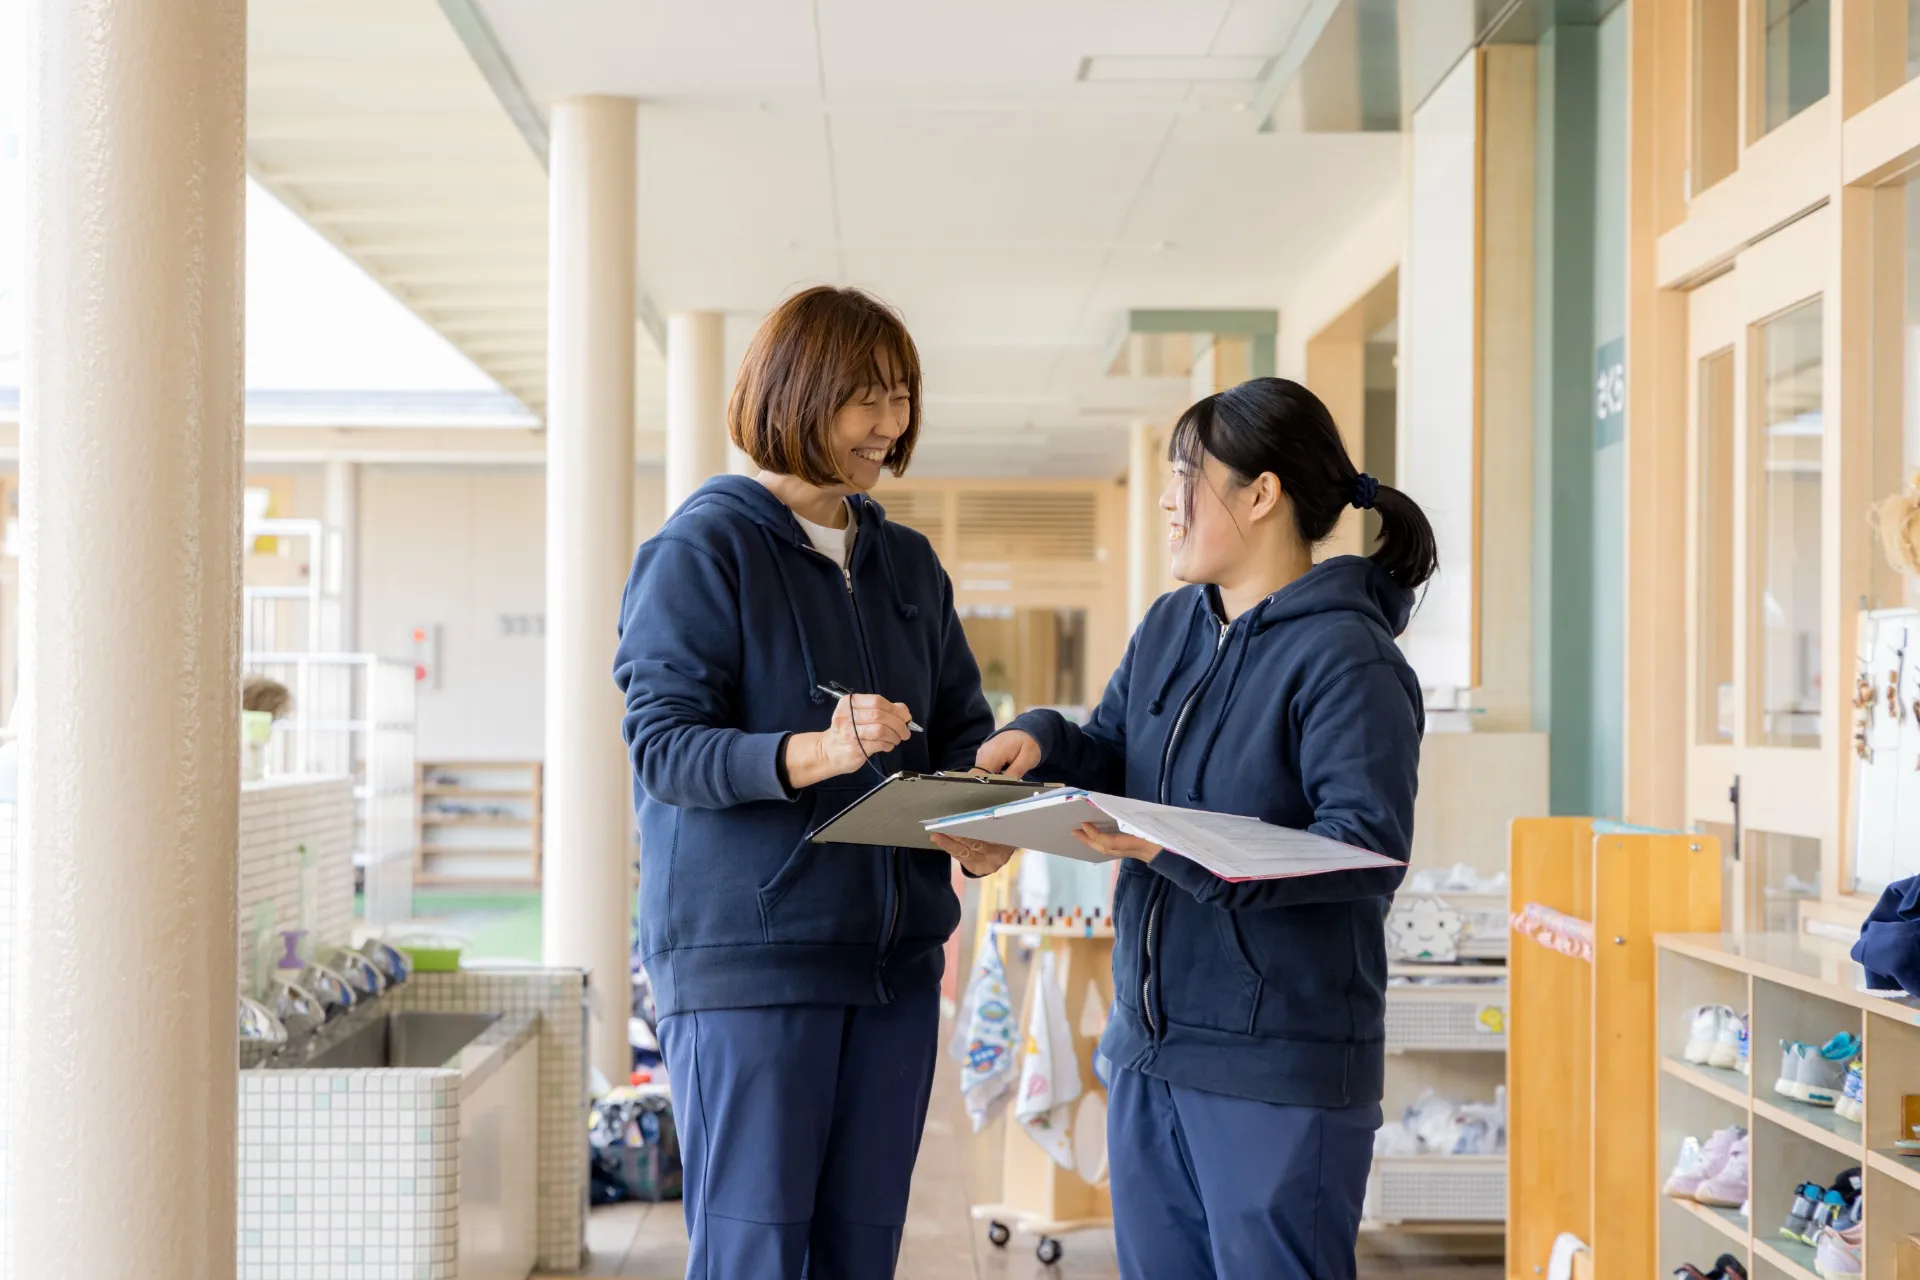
{"points": [[798, 985]]}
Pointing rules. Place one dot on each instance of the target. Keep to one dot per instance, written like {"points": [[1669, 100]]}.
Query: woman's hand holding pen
{"points": [[864, 725]]}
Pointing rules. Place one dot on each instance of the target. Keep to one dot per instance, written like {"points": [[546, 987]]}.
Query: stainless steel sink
{"points": [[406, 1040]]}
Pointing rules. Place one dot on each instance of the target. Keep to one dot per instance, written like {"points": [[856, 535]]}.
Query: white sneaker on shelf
{"points": [[1703, 1033], [1726, 1052]]}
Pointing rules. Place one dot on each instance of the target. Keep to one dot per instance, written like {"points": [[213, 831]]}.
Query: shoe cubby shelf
{"points": [[1793, 989], [479, 824], [1587, 900]]}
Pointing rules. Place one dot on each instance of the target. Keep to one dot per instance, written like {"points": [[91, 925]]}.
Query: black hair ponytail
{"points": [[1273, 424]]}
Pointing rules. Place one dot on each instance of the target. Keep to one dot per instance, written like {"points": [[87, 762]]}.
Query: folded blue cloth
{"points": [[1889, 944]]}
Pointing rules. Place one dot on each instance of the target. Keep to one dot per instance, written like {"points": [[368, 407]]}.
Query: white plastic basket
{"points": [[1437, 1189], [1465, 1019], [1484, 930]]}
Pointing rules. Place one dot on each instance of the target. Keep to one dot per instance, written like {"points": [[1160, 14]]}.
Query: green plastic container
{"points": [[430, 954]]}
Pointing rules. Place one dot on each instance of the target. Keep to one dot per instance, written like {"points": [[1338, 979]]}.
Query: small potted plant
{"points": [[262, 701]]}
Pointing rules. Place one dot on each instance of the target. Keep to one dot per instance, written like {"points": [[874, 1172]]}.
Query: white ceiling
{"points": [[369, 120], [946, 155]]}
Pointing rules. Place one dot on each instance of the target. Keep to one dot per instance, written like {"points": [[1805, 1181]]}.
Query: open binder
{"points": [[1230, 846], [896, 812]]}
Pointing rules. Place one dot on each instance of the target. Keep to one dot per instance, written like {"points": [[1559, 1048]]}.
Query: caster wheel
{"points": [[1048, 1251], [998, 1234]]}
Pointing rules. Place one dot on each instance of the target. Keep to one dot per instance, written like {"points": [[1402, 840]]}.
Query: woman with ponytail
{"points": [[1247, 1043]]}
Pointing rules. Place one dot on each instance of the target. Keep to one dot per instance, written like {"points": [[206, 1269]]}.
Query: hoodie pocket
{"points": [[825, 894], [1306, 958], [1201, 973]]}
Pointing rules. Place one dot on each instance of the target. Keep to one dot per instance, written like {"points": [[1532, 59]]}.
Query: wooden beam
{"points": [[1658, 112], [1503, 571]]}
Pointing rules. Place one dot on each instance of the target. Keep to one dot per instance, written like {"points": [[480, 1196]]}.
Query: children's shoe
{"points": [[1687, 1271], [1831, 1209], [1745, 1055], [1851, 1104], [1699, 1161], [1684, 1179], [1806, 1199], [1703, 1032], [1727, 1188], [1792, 1060], [1729, 1267], [1837, 1252], [1823, 1071], [1733, 1036]]}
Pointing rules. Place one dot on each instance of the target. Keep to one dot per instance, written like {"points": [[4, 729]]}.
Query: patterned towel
{"points": [[983, 1038]]}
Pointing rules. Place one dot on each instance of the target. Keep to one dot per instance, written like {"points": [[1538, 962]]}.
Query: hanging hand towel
{"points": [[983, 1038], [1049, 1073]]}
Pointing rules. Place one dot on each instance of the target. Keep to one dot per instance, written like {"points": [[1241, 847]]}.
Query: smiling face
{"points": [[1210, 519], [868, 425]]}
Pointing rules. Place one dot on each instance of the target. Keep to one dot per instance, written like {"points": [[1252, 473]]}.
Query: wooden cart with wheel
{"points": [[1039, 1198]]}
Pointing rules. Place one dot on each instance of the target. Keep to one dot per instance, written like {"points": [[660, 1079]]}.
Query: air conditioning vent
{"points": [[1013, 526], [922, 510]]}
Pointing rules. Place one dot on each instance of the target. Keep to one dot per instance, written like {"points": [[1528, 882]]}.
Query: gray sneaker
{"points": [[1792, 1057], [1823, 1071]]}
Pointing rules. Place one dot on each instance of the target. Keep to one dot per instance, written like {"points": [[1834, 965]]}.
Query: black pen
{"points": [[834, 690]]}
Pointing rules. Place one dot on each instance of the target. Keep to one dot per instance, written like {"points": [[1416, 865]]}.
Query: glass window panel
{"points": [[1785, 530], [1794, 74], [1782, 872], [1729, 873], [1714, 717]]}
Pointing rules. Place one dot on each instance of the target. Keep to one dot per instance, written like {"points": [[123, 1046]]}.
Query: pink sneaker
{"points": [[1698, 1162], [1727, 1187], [1837, 1256]]}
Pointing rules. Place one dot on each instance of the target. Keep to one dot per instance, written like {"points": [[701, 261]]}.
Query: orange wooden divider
{"points": [[1581, 1059]]}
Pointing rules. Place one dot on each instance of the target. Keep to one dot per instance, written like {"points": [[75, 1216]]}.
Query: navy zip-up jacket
{"points": [[1303, 713], [730, 623]]}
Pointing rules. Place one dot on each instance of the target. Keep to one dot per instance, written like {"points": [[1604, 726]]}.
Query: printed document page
{"points": [[1238, 848], [1230, 846]]}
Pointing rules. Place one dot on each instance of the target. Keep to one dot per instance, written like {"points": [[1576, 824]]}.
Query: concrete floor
{"points": [[649, 1242]]}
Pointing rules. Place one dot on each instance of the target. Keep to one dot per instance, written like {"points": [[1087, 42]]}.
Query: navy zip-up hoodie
{"points": [[1302, 712], [730, 623]]}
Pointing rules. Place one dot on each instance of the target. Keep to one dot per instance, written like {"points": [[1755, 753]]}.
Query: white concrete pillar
{"points": [[124, 1052], [1146, 526], [697, 445], [340, 586], [587, 905]]}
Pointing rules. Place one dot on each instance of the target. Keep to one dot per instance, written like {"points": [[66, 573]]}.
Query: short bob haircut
{"points": [[815, 353]]}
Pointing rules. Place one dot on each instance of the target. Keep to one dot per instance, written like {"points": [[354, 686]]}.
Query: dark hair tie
{"points": [[1365, 490]]}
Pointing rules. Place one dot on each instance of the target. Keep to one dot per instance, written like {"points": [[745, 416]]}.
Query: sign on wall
{"points": [[1610, 393]]}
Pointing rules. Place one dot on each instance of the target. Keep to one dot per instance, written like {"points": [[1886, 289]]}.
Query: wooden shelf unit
{"points": [[1579, 1067], [498, 847], [1794, 987]]}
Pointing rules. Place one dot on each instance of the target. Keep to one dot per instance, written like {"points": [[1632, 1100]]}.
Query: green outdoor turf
{"points": [[502, 925]]}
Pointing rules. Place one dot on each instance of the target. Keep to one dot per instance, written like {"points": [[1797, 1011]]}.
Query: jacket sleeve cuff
{"points": [[1189, 875], [1044, 727], [754, 769]]}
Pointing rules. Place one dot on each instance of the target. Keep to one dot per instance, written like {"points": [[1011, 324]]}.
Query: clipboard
{"points": [[896, 812]]}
